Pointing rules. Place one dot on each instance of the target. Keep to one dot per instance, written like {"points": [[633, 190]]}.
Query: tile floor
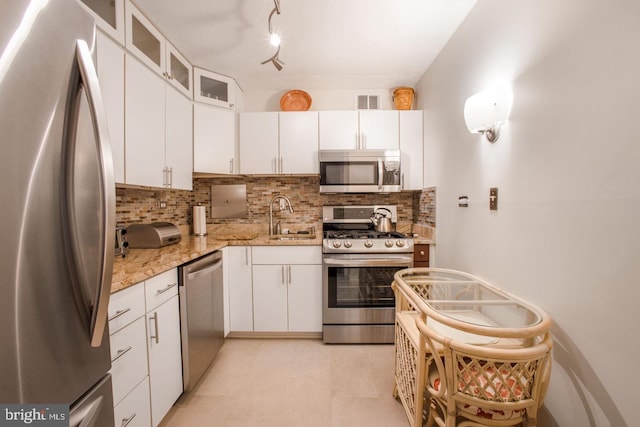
{"points": [[291, 382]]}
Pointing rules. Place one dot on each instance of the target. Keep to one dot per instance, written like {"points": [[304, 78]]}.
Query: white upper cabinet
{"points": [[144, 40], [178, 139], [110, 68], [158, 131], [109, 16], [411, 149], [215, 140], [259, 143], [144, 126], [148, 44], [371, 129], [338, 130], [298, 142], [214, 89], [379, 129], [178, 71], [279, 143]]}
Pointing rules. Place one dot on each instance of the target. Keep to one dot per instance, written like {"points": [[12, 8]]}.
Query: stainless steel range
{"points": [[358, 267]]}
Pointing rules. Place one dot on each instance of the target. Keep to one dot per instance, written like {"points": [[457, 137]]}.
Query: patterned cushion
{"points": [[477, 384]]}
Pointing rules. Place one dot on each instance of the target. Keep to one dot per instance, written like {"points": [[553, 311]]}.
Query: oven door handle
{"points": [[371, 262]]}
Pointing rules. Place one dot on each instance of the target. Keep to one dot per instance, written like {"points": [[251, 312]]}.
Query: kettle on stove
{"points": [[382, 220]]}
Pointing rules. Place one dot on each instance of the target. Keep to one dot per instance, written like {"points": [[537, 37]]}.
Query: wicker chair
{"points": [[474, 385]]}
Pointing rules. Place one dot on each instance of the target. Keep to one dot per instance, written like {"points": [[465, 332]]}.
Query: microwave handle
{"points": [[380, 174]]}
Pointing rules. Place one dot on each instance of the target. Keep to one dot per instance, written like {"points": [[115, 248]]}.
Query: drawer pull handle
{"points": [[421, 253], [126, 421], [155, 321], [162, 291], [119, 313], [120, 353]]}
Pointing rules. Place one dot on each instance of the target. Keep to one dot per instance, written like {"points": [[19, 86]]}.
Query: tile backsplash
{"points": [[141, 205]]}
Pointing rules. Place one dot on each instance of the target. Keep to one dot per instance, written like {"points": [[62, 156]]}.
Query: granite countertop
{"points": [[141, 264], [419, 240]]}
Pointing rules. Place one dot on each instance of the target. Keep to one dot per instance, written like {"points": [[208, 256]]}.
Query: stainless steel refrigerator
{"points": [[57, 213]]}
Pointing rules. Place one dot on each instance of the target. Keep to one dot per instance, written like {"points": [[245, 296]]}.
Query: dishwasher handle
{"points": [[206, 270]]}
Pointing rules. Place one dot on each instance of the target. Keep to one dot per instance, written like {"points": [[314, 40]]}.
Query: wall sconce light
{"points": [[486, 111], [274, 39]]}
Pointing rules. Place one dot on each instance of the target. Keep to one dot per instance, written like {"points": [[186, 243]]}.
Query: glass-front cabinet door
{"points": [[144, 40], [214, 89], [178, 71], [110, 16]]}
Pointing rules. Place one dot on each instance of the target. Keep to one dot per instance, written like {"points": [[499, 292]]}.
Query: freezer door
{"points": [[94, 409], [57, 207]]}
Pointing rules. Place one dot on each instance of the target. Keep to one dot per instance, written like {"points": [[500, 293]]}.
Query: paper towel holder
{"points": [[199, 220]]}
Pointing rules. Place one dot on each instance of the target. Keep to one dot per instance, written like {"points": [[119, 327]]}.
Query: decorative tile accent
{"points": [[426, 207]]}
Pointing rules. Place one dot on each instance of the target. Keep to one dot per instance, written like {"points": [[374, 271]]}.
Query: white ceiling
{"points": [[326, 44]]}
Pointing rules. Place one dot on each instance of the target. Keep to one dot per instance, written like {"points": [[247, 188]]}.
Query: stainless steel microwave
{"points": [[359, 171]]}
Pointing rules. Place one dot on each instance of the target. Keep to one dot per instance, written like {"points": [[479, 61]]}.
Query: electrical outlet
{"points": [[493, 198], [162, 204]]}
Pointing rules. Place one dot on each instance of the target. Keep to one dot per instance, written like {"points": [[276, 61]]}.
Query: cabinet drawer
{"points": [[128, 358], [161, 288], [421, 255], [134, 410], [125, 307], [287, 255]]}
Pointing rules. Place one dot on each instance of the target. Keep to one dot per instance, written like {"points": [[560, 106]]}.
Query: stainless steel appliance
{"points": [[121, 245], [154, 235], [358, 265], [359, 171], [58, 211], [201, 315]]}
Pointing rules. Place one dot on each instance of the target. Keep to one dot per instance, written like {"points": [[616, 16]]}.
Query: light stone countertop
{"points": [[140, 264]]}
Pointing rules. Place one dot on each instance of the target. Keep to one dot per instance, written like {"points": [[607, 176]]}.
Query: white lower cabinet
{"points": [[133, 410], [128, 359], [164, 348], [287, 289], [237, 267], [146, 355]]}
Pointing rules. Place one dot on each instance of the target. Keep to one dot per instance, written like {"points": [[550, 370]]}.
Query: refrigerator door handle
{"points": [[96, 299]]}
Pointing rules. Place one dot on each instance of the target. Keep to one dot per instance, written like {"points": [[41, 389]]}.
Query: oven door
{"points": [[357, 287]]}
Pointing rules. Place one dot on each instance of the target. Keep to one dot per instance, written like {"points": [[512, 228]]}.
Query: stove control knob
{"points": [[347, 244], [336, 244], [400, 243], [388, 243], [368, 244]]}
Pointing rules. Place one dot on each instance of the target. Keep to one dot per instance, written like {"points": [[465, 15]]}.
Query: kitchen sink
{"points": [[237, 236], [293, 237]]}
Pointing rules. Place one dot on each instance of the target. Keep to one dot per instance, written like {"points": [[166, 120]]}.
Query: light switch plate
{"points": [[493, 198]]}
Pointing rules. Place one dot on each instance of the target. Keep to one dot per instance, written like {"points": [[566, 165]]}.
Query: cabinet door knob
{"points": [[421, 253]]}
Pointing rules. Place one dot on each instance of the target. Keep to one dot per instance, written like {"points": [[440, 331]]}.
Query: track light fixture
{"points": [[274, 39]]}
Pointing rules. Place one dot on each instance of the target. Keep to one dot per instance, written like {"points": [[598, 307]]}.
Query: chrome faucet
{"points": [[271, 229]]}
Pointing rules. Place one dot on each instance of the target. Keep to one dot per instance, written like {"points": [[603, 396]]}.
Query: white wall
{"points": [[567, 232], [320, 99]]}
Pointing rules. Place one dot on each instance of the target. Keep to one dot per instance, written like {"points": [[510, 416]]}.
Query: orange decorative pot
{"points": [[403, 98]]}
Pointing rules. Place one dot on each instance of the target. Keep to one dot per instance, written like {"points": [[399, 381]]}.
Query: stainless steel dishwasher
{"points": [[201, 315]]}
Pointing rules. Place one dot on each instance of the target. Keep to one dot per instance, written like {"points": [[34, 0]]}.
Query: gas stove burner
{"points": [[351, 230], [363, 234]]}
